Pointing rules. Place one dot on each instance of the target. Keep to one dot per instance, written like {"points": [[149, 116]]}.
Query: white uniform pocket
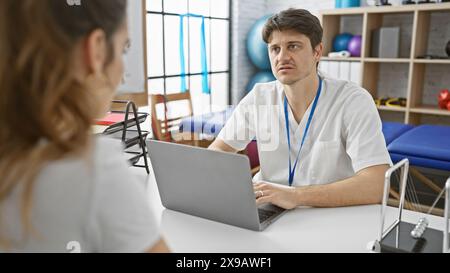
{"points": [[325, 161]]}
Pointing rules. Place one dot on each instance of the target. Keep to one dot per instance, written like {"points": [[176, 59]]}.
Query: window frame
{"points": [[164, 76]]}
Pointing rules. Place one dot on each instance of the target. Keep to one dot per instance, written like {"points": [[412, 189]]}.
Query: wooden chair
{"points": [[167, 128]]}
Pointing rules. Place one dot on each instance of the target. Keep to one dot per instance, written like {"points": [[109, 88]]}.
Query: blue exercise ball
{"points": [[260, 77], [256, 47], [341, 42]]}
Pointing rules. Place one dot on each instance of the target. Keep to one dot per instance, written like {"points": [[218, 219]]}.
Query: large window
{"points": [[164, 53]]}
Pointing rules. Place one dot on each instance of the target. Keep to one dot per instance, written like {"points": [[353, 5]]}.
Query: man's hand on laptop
{"points": [[279, 195]]}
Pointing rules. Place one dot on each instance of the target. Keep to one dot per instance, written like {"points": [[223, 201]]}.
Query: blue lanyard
{"points": [[308, 124], [204, 62]]}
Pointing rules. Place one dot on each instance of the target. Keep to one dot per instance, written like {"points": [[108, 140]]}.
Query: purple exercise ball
{"points": [[354, 46]]}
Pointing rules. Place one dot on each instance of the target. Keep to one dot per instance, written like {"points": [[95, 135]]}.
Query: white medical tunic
{"points": [[345, 135]]}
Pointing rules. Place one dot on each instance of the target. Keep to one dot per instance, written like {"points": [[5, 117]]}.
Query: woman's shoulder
{"points": [[105, 149], [96, 164], [109, 158]]}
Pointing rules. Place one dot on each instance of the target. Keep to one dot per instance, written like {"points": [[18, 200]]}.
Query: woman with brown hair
{"points": [[60, 187]]}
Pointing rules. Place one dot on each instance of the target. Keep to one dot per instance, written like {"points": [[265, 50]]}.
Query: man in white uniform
{"points": [[319, 139]]}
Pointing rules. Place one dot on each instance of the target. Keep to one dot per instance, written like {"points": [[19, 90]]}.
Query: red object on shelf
{"points": [[110, 119], [444, 99]]}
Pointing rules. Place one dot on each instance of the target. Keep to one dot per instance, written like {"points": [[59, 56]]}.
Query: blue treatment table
{"points": [[208, 124], [392, 130], [425, 146]]}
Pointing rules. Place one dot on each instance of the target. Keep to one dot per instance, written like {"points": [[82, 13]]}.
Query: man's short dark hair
{"points": [[299, 20]]}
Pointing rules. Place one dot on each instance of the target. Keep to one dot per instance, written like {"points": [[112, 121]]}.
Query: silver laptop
{"points": [[213, 185]]}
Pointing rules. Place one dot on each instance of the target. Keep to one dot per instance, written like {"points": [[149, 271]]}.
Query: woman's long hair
{"points": [[45, 112]]}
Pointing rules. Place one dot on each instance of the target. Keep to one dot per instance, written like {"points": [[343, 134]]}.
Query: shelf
{"points": [[388, 9], [435, 61], [344, 11], [430, 110], [392, 109], [386, 60], [351, 59], [406, 76]]}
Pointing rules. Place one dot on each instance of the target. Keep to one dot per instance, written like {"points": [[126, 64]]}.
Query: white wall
{"points": [[312, 5]]}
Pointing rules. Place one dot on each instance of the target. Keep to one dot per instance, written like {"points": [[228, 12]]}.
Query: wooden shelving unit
{"points": [[392, 109], [385, 60], [418, 23], [429, 109], [425, 61], [351, 59]]}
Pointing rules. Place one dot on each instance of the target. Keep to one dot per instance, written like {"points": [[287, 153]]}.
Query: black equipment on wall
{"points": [[385, 3], [447, 49]]}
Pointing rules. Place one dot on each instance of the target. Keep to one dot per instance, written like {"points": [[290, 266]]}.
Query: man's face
{"points": [[292, 56]]}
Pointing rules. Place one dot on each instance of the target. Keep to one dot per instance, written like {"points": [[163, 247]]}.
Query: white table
{"points": [[301, 230]]}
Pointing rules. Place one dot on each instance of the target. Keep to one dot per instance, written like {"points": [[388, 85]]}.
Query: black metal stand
{"points": [[384, 3], [129, 136], [401, 236], [399, 240]]}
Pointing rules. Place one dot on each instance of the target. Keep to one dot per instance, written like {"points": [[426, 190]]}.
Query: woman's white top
{"points": [[80, 206]]}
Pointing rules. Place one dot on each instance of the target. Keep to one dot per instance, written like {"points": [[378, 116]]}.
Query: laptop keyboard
{"points": [[265, 214]]}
